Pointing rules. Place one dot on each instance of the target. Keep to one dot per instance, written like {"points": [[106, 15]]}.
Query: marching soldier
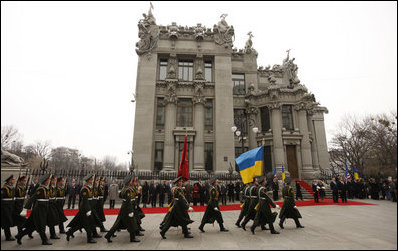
{"points": [[53, 213], [125, 218], [138, 213], [289, 209], [212, 210], [60, 201], [7, 207], [177, 214], [85, 218], [251, 212], [246, 203], [20, 194], [100, 203], [39, 215], [264, 214]]}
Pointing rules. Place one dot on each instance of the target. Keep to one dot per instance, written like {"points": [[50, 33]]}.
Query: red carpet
{"points": [[163, 210], [306, 186]]}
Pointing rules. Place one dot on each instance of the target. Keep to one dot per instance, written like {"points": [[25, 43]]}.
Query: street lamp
{"points": [[132, 161]]}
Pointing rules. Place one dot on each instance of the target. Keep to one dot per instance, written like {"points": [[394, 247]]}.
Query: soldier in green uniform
{"points": [[139, 214], [7, 207], [38, 217], [289, 209], [177, 214], [125, 218], [20, 194], [53, 213], [100, 203], [212, 212], [264, 214], [246, 203], [95, 204], [60, 201], [251, 212], [85, 218]]}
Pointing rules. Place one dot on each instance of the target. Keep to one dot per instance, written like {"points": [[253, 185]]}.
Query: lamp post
{"points": [[237, 128], [132, 161]]}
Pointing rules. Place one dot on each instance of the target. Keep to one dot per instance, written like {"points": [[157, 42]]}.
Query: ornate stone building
{"points": [[191, 81]]}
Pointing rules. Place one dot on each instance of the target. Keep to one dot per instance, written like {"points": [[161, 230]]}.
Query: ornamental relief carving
{"points": [[148, 32], [172, 66]]}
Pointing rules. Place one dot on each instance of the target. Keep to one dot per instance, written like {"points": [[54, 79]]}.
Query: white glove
{"points": [[216, 209], [23, 213], [131, 214], [278, 207], [295, 207], [88, 213], [190, 209]]}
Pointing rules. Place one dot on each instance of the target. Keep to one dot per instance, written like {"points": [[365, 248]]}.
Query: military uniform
{"points": [[138, 213], [264, 215], [60, 202], [100, 205], [251, 212], [39, 215], [85, 218], [245, 205], [213, 212], [126, 218], [289, 209], [20, 195], [53, 212], [177, 214], [7, 209]]}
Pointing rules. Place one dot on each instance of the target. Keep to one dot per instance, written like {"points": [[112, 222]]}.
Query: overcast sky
{"points": [[68, 69]]}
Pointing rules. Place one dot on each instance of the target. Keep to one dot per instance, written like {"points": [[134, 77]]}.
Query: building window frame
{"points": [[163, 64], [287, 117], [209, 156], [265, 119], [159, 155], [184, 112], [208, 64], [238, 84], [185, 70], [209, 115], [160, 112]]}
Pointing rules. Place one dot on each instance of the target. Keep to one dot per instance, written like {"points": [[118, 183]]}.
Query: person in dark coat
{"points": [[298, 191], [39, 215], [238, 189], [251, 212], [322, 190], [342, 185], [85, 218], [20, 193], [315, 189], [152, 193], [374, 189], [213, 212], [177, 214], [72, 191], [33, 187], [223, 189], [207, 187], [246, 203], [161, 190], [60, 201], [335, 190], [53, 213], [145, 194], [350, 189], [202, 194], [97, 203], [289, 209], [275, 189], [168, 191], [231, 189], [138, 213], [264, 215], [125, 219], [8, 207], [195, 194]]}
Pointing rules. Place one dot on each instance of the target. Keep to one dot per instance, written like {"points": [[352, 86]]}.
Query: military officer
{"points": [[60, 202], [251, 212], [53, 213], [289, 209], [246, 203], [264, 215], [212, 212], [7, 207], [125, 218], [39, 215], [100, 203], [177, 214], [85, 218], [20, 195]]}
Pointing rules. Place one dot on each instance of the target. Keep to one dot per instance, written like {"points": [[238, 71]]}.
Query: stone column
{"points": [[321, 144], [314, 149], [170, 123], [276, 126], [199, 137], [306, 158]]}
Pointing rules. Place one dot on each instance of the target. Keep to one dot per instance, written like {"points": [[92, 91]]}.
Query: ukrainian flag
{"points": [[250, 164], [283, 175], [356, 176]]}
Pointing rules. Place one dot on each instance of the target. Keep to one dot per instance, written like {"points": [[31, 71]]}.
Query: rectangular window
{"points": [[208, 71], [185, 70], [209, 114], [238, 82], [184, 112], [240, 117], [180, 147], [160, 113], [267, 160], [265, 121], [159, 155], [287, 117], [209, 156], [162, 69]]}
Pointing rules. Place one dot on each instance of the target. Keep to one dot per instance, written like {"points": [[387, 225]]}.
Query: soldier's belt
{"points": [[60, 198], [20, 198], [42, 199], [100, 197], [253, 197], [95, 198], [53, 198], [8, 199], [89, 198]]}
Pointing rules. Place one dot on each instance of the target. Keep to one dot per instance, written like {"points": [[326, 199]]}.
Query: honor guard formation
{"points": [[48, 199]]}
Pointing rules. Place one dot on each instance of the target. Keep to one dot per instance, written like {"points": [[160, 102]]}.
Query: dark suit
{"points": [[72, 191], [231, 188], [342, 186], [238, 187], [152, 194], [275, 189], [335, 191], [224, 194], [161, 190], [32, 189]]}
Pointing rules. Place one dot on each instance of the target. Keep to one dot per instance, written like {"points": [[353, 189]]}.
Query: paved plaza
{"points": [[326, 227]]}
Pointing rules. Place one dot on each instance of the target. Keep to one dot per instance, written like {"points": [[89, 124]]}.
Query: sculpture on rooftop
{"points": [[148, 32], [223, 33], [290, 68]]}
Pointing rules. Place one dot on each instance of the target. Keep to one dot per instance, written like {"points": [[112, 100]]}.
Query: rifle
{"points": [[28, 184]]}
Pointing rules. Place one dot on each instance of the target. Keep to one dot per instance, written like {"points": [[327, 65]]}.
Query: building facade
{"points": [[191, 81]]}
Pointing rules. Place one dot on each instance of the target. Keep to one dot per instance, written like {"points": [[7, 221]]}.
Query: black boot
{"points": [[263, 227], [108, 238], [186, 233], [281, 222], [44, 240], [237, 224], [163, 234], [132, 238], [69, 234], [95, 234], [61, 228], [222, 228], [243, 225], [141, 229], [7, 233], [90, 238], [253, 228], [138, 233], [273, 231], [201, 228], [52, 234], [18, 237], [103, 229]]}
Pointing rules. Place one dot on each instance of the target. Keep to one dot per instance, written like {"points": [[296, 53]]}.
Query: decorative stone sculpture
{"points": [[199, 32], [148, 32], [223, 33], [173, 30], [10, 159], [290, 68], [199, 68], [199, 97], [249, 44], [171, 96], [171, 72]]}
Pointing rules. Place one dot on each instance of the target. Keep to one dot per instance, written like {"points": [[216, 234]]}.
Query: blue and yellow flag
{"points": [[250, 164], [283, 175], [356, 176], [274, 171]]}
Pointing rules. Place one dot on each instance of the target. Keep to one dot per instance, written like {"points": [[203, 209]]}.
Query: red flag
{"points": [[183, 170]]}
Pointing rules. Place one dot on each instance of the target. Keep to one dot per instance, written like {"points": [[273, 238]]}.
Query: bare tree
{"points": [[9, 134], [42, 149], [109, 162]]}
